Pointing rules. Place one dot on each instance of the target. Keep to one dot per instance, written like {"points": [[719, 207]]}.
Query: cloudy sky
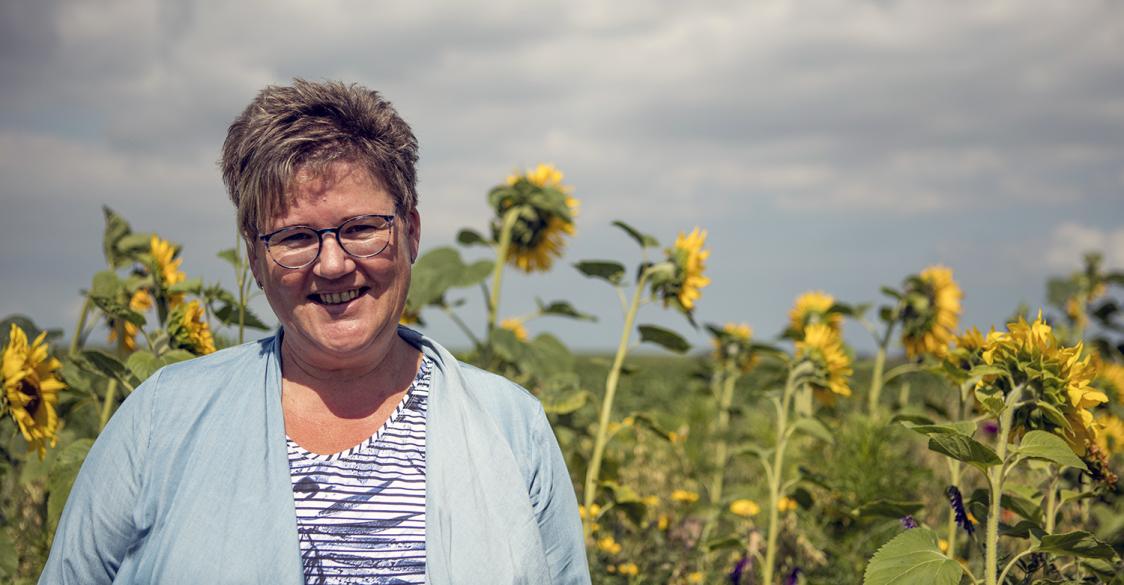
{"points": [[827, 144]]}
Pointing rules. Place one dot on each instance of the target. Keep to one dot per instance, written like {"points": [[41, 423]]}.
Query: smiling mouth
{"points": [[337, 298]]}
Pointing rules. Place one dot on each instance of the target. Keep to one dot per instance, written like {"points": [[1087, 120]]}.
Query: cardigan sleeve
{"points": [[99, 522], [556, 509]]}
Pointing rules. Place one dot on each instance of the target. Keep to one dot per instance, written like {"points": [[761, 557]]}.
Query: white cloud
{"points": [[1070, 241]]}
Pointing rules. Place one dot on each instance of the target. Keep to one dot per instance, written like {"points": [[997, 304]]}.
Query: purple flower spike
{"points": [[908, 522], [990, 427], [791, 580], [957, 502], [739, 570]]}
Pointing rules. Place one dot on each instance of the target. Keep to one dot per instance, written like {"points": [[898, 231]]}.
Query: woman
{"points": [[345, 449]]}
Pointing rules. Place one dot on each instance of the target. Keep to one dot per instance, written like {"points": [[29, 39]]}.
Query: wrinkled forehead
{"points": [[310, 181]]}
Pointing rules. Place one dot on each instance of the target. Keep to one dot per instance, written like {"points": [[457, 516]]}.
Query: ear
{"points": [[413, 234]]}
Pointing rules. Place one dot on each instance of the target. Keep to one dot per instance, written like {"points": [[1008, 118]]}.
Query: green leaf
{"points": [[991, 398], [106, 285], [1076, 544], [564, 403], [564, 309], [607, 270], [228, 315], [729, 542], [888, 508], [231, 256], [665, 338], [814, 428], [965, 428], [645, 240], [105, 364], [143, 364], [471, 237], [912, 557], [61, 478], [917, 419], [1048, 446], [965, 449], [474, 273], [191, 285], [115, 228]]}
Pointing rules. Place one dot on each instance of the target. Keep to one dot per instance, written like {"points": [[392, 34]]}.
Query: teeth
{"points": [[337, 298]]}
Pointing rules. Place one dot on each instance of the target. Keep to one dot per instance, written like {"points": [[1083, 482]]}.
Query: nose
{"points": [[333, 261]]}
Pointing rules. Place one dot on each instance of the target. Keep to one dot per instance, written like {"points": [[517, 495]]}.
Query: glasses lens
{"points": [[365, 236], [294, 247]]}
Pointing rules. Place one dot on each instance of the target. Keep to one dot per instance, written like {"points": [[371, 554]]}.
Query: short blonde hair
{"points": [[306, 127]]}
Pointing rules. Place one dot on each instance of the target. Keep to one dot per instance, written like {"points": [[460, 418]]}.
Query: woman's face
{"points": [[337, 335]]}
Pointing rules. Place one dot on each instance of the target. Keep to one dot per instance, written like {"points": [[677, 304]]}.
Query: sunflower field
{"points": [[958, 453]]}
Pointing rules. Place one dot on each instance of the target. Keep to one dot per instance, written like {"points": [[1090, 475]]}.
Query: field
{"points": [[952, 455]]}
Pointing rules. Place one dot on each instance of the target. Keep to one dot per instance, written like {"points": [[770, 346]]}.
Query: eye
{"points": [[363, 227], [293, 238]]}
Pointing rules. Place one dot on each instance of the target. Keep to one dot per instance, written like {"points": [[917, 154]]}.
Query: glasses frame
{"points": [[320, 239]]}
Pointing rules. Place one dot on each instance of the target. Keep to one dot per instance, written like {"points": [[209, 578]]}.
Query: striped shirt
{"points": [[361, 512]]}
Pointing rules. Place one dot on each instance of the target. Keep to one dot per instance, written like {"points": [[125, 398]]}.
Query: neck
{"points": [[348, 388]]}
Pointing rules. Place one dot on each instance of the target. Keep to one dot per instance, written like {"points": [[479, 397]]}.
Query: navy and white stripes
{"points": [[361, 512]]}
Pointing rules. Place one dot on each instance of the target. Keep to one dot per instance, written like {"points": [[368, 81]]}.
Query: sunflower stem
{"points": [[767, 568], [1052, 500], [879, 365], [76, 339], [508, 224], [594, 471], [727, 379], [995, 476], [107, 406]]}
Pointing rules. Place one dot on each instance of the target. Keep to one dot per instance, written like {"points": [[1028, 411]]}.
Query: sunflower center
{"points": [[30, 390]]}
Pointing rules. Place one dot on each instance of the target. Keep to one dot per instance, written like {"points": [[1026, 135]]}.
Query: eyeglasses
{"points": [[299, 245]]}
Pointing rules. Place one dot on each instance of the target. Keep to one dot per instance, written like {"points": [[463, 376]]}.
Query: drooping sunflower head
{"points": [[930, 312], [188, 329], [813, 307], [1059, 379], [544, 213], [167, 268], [823, 346], [516, 327], [1111, 378], [682, 284], [31, 388], [733, 343]]}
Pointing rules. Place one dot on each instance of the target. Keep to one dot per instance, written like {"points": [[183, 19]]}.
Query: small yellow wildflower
{"points": [[694, 578], [684, 496], [943, 545], [744, 508], [609, 545], [785, 504], [594, 508], [31, 388], [651, 501], [629, 569]]}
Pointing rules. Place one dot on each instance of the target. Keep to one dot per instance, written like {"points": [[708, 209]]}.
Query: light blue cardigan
{"points": [[189, 483]]}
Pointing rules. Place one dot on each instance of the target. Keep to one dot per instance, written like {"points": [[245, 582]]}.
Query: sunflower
{"points": [[1056, 376], [931, 311], [545, 217], [140, 302], [822, 345], [167, 268], [1110, 437], [812, 307], [516, 327], [733, 342], [31, 389], [187, 326], [1112, 377], [682, 284], [965, 354]]}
